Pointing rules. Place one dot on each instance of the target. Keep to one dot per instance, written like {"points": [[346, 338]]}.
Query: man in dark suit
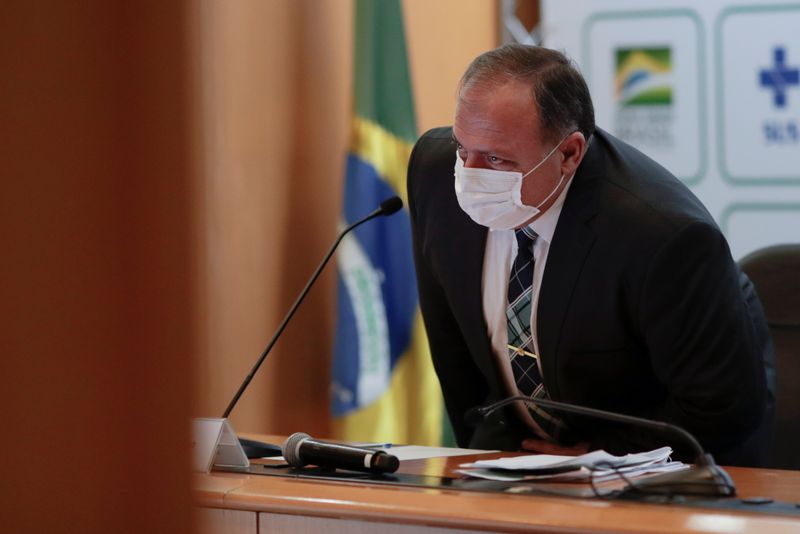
{"points": [[562, 263]]}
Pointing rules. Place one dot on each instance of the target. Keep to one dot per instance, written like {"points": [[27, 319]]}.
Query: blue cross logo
{"points": [[780, 77]]}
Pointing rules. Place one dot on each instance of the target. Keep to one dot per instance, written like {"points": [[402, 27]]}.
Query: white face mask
{"points": [[494, 198]]}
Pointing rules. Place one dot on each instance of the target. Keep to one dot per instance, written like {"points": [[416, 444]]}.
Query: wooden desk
{"points": [[236, 503]]}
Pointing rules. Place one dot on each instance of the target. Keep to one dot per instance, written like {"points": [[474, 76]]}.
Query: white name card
{"points": [[214, 443]]}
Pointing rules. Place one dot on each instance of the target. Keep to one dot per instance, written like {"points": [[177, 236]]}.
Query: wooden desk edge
{"points": [[470, 510]]}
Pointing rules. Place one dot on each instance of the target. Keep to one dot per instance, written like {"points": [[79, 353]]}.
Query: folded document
{"points": [[595, 465]]}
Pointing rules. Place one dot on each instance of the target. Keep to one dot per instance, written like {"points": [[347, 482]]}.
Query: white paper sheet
{"points": [[598, 466], [550, 462], [581, 474], [418, 452]]}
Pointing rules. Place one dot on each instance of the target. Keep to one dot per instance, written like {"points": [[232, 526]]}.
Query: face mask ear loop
{"points": [[560, 180], [547, 156], [553, 192]]}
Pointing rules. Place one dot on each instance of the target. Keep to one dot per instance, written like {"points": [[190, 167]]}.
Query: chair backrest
{"points": [[775, 272]]}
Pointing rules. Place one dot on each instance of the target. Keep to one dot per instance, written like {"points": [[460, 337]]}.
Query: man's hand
{"points": [[545, 447]]}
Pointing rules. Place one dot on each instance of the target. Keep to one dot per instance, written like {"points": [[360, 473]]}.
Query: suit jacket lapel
{"points": [[572, 241]]}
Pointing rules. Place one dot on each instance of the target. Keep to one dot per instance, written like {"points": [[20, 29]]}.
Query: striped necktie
{"points": [[524, 362]]}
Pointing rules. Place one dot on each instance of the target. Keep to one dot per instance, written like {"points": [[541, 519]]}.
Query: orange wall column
{"points": [[96, 290]]}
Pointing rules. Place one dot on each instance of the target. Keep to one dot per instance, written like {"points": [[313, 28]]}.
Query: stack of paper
{"points": [[597, 465]]}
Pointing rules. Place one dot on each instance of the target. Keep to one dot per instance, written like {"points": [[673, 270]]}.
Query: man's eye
{"points": [[494, 160]]}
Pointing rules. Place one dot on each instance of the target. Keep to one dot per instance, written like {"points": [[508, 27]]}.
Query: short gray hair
{"points": [[559, 90]]}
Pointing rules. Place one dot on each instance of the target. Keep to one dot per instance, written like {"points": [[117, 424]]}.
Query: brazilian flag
{"points": [[384, 387]]}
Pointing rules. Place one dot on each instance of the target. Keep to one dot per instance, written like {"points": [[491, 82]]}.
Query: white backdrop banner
{"points": [[708, 88]]}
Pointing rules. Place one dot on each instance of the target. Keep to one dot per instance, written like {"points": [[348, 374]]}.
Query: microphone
{"points": [[256, 449], [705, 477], [300, 449]]}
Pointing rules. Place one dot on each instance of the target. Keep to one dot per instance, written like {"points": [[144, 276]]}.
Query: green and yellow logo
{"points": [[643, 76]]}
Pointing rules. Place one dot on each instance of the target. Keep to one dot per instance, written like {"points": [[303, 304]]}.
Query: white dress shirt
{"points": [[501, 250]]}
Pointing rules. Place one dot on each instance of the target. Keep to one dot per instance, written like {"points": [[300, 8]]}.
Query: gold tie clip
{"points": [[523, 352]]}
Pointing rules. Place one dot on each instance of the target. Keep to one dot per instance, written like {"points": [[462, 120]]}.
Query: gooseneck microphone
{"points": [[300, 450], [255, 449], [704, 478]]}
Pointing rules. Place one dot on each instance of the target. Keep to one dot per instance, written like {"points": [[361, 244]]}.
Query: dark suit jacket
{"points": [[642, 309]]}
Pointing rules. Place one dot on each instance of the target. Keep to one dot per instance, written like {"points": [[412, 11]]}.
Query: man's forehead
{"points": [[476, 123], [506, 109], [505, 89]]}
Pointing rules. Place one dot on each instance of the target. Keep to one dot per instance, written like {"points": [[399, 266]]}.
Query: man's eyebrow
{"points": [[453, 137]]}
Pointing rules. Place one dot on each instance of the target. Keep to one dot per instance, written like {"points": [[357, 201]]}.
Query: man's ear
{"points": [[572, 150]]}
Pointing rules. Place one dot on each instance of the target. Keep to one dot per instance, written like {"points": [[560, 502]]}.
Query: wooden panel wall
{"points": [[96, 285]]}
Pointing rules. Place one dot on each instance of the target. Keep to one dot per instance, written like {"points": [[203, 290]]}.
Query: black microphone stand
{"points": [[258, 449]]}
